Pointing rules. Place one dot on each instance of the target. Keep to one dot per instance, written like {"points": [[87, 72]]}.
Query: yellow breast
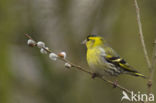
{"points": [[93, 57]]}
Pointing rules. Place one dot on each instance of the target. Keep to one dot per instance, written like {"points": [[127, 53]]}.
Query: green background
{"points": [[27, 76]]}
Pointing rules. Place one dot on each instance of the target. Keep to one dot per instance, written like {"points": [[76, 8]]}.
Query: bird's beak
{"points": [[84, 42]]}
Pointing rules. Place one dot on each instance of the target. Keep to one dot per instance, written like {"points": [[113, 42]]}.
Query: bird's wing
{"points": [[119, 62], [112, 57]]}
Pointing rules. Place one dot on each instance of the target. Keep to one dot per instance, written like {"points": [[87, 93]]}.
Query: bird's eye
{"points": [[88, 39]]}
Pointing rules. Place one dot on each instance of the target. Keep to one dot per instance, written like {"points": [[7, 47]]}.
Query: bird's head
{"points": [[93, 41]]}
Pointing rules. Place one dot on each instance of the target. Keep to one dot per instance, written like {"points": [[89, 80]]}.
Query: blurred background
{"points": [[27, 76]]}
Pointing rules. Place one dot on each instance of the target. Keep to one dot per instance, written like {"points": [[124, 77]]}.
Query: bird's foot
{"points": [[115, 83], [94, 75]]}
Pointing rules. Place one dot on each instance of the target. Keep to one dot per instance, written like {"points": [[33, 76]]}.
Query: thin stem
{"points": [[153, 60], [141, 34], [153, 66]]}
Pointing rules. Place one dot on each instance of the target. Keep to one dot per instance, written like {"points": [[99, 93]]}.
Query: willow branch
{"points": [[86, 71]]}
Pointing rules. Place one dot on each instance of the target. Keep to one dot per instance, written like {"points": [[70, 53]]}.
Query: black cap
{"points": [[91, 35]]}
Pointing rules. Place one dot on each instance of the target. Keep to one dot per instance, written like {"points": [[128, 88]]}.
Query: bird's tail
{"points": [[139, 75], [136, 73]]}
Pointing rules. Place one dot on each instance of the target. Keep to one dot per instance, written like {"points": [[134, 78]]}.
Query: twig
{"points": [[141, 34], [102, 78], [152, 65], [86, 71], [153, 60]]}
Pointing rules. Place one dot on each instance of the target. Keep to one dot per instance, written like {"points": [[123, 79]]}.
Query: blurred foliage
{"points": [[27, 76]]}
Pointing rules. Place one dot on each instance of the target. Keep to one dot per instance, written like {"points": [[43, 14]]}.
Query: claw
{"points": [[115, 83], [94, 75]]}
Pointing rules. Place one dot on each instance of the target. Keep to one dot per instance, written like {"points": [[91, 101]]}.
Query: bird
{"points": [[103, 60]]}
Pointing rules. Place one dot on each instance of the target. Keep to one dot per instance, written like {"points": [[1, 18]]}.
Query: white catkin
{"points": [[40, 44], [31, 42], [53, 56], [43, 51], [63, 54], [67, 65]]}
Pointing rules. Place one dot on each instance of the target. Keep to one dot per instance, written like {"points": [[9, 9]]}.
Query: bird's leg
{"points": [[115, 83], [94, 75]]}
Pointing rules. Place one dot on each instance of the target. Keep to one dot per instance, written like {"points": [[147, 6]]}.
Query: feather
{"points": [[119, 62]]}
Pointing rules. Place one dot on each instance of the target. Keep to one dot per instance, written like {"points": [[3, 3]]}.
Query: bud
{"points": [[53, 56], [67, 65], [62, 55], [43, 51], [31, 42], [40, 44]]}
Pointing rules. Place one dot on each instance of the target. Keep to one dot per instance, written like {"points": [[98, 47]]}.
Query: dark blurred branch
{"points": [[86, 71]]}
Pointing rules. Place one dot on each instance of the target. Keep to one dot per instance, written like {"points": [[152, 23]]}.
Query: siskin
{"points": [[104, 60]]}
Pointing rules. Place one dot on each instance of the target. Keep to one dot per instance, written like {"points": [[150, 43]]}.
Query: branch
{"points": [[151, 65], [115, 85], [141, 34], [153, 60]]}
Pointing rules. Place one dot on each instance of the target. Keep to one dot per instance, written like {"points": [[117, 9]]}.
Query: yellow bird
{"points": [[104, 60]]}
